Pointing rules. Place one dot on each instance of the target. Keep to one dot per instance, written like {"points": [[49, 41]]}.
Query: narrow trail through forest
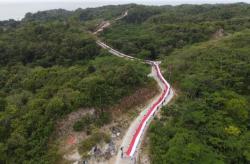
{"points": [[129, 148]]}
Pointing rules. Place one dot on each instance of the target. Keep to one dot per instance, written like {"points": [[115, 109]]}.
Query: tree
{"points": [[56, 107], [91, 69], [2, 104], [238, 108]]}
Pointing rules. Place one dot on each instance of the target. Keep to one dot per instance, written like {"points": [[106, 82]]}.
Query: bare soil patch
{"points": [[122, 114], [218, 34]]}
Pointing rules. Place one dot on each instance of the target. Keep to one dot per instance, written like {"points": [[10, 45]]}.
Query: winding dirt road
{"points": [[132, 139]]}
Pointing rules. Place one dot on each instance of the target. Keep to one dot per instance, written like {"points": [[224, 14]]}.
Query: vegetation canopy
{"points": [[50, 66]]}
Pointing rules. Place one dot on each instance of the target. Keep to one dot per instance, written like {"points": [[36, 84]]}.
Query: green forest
{"points": [[151, 32], [209, 121], [51, 66]]}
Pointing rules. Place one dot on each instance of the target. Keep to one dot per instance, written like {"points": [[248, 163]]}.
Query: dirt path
{"points": [[106, 24]]}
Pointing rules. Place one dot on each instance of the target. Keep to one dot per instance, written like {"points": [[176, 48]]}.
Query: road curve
{"points": [[132, 139], [134, 135]]}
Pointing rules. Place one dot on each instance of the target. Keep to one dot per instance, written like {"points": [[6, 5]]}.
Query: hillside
{"points": [[50, 68], [53, 73], [206, 57], [151, 32], [209, 122]]}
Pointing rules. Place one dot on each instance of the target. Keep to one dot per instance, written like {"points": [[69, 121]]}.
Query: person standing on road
{"points": [[122, 155], [122, 152]]}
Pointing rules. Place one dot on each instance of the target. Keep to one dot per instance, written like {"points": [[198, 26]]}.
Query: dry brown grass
{"points": [[138, 99]]}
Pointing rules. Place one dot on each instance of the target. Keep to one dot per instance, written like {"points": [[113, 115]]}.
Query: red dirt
{"points": [[71, 140]]}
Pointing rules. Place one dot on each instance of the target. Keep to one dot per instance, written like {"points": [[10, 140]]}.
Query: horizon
{"points": [[13, 9]]}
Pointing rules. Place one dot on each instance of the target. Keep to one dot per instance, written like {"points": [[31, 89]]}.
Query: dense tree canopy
{"points": [[150, 32], [209, 122], [50, 66], [33, 98], [46, 44]]}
